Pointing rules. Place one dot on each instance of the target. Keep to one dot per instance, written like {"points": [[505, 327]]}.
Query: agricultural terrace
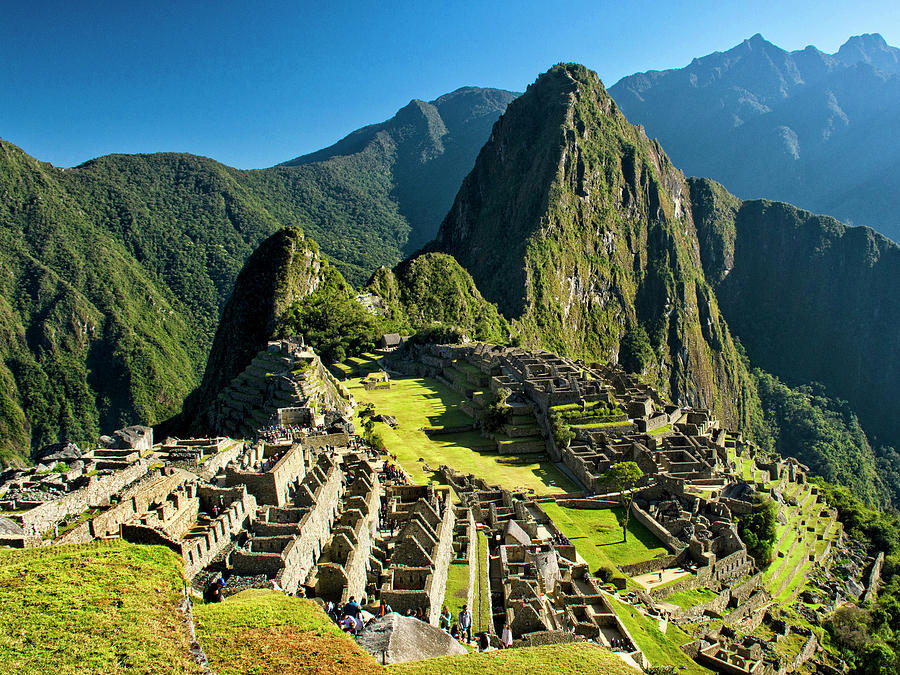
{"points": [[419, 403], [597, 535], [102, 607]]}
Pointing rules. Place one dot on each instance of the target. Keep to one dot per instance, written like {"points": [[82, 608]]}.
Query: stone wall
{"points": [[96, 493], [272, 486], [337, 440], [658, 530], [135, 502], [237, 515], [302, 554]]}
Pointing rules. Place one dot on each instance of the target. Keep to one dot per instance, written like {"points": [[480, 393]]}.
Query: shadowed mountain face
{"points": [[580, 229], [426, 149], [811, 299], [813, 129]]}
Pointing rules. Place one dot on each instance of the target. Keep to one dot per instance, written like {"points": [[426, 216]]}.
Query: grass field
{"points": [[662, 649], [259, 631], [103, 607], [425, 402], [457, 592], [597, 535], [688, 599], [568, 659]]}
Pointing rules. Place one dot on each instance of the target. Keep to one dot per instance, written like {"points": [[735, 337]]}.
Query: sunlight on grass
{"points": [[419, 403]]}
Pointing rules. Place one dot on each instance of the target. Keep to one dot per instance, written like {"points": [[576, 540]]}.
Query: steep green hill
{"points": [[89, 338], [432, 288], [810, 299], [580, 229]]}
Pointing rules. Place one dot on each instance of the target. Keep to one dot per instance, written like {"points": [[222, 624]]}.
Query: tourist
{"points": [[352, 607], [214, 591], [384, 608], [465, 623], [445, 619], [348, 624], [454, 632], [506, 637], [484, 643]]}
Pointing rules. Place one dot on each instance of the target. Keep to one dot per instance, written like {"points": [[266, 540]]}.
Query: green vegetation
{"points": [[624, 476], [332, 321], [757, 530], [596, 534], [259, 631], [868, 638], [688, 599], [497, 413], [433, 290], [825, 434], [103, 607], [419, 403], [636, 351], [566, 659], [659, 648]]}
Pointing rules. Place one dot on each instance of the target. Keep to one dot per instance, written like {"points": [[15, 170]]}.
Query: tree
{"points": [[624, 475], [367, 416], [758, 530]]}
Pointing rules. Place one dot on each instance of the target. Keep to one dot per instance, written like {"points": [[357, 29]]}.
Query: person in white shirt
{"points": [[506, 637]]}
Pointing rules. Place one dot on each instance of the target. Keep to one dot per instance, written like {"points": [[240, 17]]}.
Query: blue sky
{"points": [[255, 83]]}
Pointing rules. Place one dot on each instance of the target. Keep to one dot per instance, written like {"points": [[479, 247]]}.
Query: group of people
{"points": [[393, 472], [350, 615], [561, 539], [623, 644]]}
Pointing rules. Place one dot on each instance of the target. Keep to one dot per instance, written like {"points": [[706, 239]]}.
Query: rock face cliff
{"points": [[284, 269], [810, 299], [580, 229]]}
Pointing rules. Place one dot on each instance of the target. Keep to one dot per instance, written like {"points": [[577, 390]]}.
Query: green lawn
{"points": [[260, 631], [597, 535], [565, 659], [661, 649], [457, 592], [103, 607], [425, 402], [688, 599]]}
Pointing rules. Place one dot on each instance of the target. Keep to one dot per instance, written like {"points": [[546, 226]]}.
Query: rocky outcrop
{"points": [[285, 269]]}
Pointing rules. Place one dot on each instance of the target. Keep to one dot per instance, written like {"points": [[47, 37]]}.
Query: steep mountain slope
{"points": [[811, 299], [426, 149], [809, 128], [580, 229], [284, 269], [89, 339], [433, 289]]}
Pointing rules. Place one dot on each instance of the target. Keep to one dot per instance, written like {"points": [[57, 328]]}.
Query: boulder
{"points": [[57, 452], [133, 438], [395, 639]]}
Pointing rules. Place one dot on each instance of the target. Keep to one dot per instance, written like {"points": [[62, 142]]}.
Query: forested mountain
{"points": [[426, 149], [95, 255], [580, 229], [814, 129]]}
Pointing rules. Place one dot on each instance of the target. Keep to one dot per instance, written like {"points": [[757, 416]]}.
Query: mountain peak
{"points": [[870, 48]]}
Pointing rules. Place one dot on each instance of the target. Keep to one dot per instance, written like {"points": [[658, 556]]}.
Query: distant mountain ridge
{"points": [[428, 147], [814, 129]]}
